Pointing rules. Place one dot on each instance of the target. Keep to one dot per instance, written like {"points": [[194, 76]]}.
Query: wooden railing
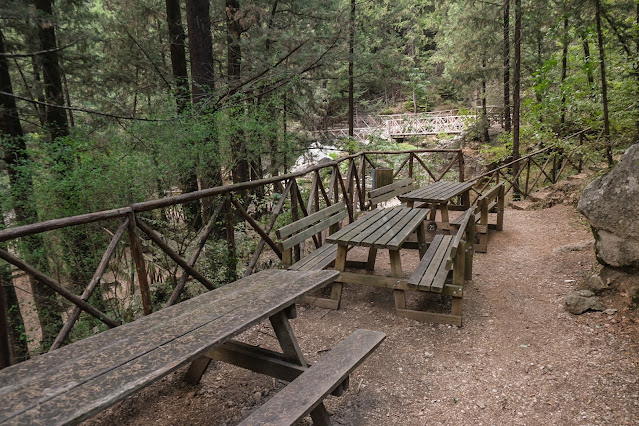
{"points": [[541, 167], [298, 194], [344, 180]]}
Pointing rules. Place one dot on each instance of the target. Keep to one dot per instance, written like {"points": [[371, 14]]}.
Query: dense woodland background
{"points": [[112, 102]]}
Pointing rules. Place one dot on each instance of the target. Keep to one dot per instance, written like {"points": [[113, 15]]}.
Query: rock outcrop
{"points": [[611, 205], [580, 301]]}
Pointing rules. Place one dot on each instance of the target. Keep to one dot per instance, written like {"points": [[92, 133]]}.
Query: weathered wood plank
{"points": [[116, 363], [315, 258], [311, 219], [312, 230], [430, 317], [393, 283], [436, 263], [417, 217], [419, 272], [375, 230], [354, 228], [306, 392]]}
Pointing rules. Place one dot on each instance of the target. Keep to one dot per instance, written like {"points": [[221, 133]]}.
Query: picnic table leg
{"points": [[340, 265], [433, 212], [458, 277], [465, 198], [196, 370], [372, 255], [470, 250], [396, 269], [421, 239], [288, 341], [445, 220], [290, 348]]}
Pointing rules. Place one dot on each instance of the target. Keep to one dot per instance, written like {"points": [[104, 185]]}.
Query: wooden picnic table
{"points": [[380, 229], [76, 381], [438, 195]]}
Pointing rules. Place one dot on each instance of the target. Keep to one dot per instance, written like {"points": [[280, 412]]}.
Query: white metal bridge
{"points": [[398, 126]]}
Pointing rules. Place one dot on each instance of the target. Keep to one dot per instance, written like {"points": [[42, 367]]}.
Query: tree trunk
{"points": [[564, 71], [56, 118], [591, 78], [516, 97], [202, 84], [200, 49], [5, 356], [506, 53], [234, 72], [21, 190], [178, 54], [484, 109], [604, 84], [351, 84]]}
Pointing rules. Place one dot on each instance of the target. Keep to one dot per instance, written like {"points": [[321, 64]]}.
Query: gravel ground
{"points": [[520, 358]]}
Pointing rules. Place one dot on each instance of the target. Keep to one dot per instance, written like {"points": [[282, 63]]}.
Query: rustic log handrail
{"points": [[350, 188]]}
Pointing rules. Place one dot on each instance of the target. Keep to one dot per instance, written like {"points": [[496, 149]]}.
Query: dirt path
{"points": [[519, 359]]}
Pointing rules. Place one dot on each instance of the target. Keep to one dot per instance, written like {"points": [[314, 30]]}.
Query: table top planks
{"points": [[73, 382], [437, 192], [382, 228]]}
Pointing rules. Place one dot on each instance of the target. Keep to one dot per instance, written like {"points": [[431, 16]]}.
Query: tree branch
{"points": [[40, 52], [88, 111]]}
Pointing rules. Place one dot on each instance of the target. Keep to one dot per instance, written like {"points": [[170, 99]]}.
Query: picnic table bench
{"points": [[76, 381], [446, 253], [490, 202]]}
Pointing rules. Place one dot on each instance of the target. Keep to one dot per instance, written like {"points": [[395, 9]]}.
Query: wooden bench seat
{"points": [[320, 258], [308, 390], [490, 202], [446, 253], [388, 192]]}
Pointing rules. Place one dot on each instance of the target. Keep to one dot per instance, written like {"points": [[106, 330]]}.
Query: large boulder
{"points": [[611, 205]]}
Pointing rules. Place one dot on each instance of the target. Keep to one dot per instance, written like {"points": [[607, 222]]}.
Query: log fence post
{"points": [[140, 265]]}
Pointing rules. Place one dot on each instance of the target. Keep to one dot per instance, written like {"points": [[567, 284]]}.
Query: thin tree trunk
{"points": [[484, 109], [21, 190], [12, 332], [56, 118], [506, 54], [516, 97], [604, 84], [240, 154], [178, 53], [589, 75], [564, 72], [351, 84]]}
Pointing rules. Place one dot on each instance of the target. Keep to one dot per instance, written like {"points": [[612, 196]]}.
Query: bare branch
{"points": [[88, 111], [40, 52]]}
